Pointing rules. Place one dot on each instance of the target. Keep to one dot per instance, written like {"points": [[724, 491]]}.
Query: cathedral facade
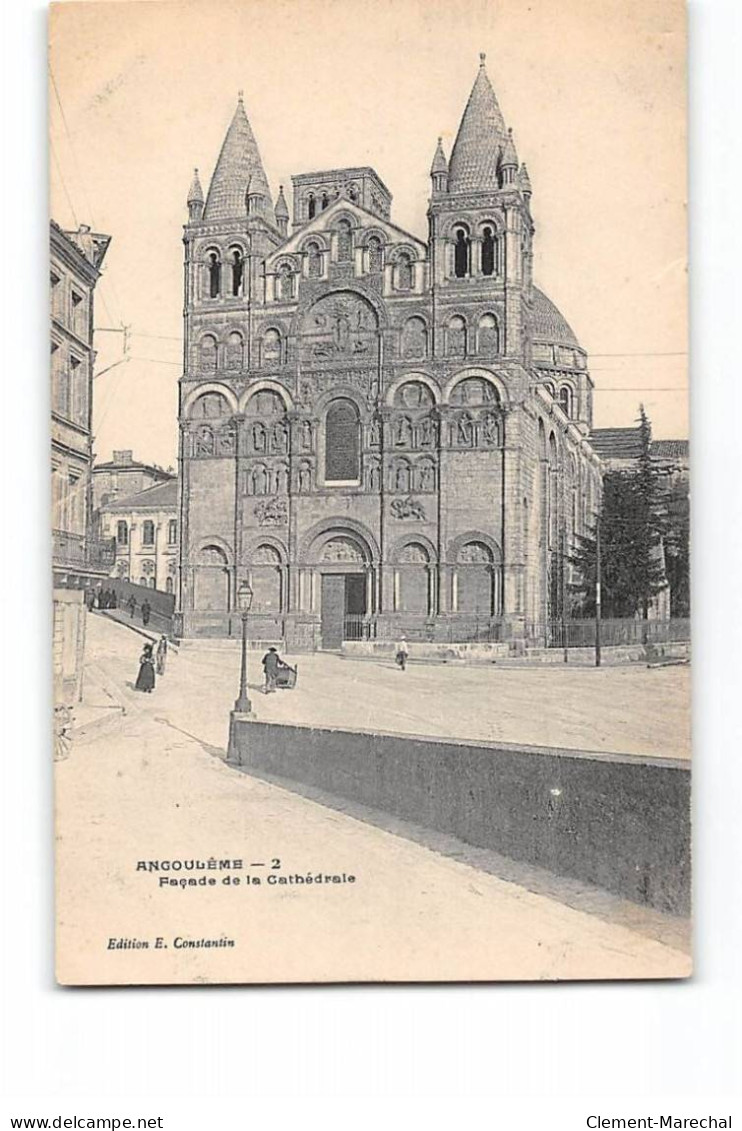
{"points": [[384, 435]]}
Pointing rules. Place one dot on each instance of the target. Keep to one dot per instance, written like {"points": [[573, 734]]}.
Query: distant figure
{"points": [[161, 655], [131, 605], [114, 599], [146, 611], [271, 664], [90, 599], [146, 677], [99, 598], [105, 599], [401, 657]]}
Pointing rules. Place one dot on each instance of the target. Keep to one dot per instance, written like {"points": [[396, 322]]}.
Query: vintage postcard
{"points": [[370, 491]]}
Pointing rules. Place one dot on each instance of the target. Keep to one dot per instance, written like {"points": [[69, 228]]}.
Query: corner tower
{"points": [[481, 231]]}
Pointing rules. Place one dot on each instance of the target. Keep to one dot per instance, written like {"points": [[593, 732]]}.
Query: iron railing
{"points": [[614, 633]]}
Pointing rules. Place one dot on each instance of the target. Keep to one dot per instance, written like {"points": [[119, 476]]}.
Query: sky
{"points": [[142, 92]]}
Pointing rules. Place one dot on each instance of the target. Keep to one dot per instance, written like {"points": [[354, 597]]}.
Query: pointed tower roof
{"points": [[195, 192], [282, 210], [440, 165], [480, 139], [509, 155], [524, 180], [239, 165]]}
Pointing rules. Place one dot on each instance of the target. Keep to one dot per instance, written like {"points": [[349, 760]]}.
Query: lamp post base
{"points": [[242, 706], [233, 748]]}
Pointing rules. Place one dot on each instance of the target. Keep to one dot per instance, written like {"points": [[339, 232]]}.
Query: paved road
{"points": [[156, 787]]}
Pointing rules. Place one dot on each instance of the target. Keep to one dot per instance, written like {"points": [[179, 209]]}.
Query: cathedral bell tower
{"points": [[481, 231], [228, 236]]}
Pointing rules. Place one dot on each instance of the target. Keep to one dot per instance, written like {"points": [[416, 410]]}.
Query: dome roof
{"points": [[549, 324]]}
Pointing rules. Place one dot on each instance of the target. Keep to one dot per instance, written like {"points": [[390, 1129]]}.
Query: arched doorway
{"points": [[337, 581]]}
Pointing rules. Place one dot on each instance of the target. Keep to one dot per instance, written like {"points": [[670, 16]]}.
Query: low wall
{"points": [[162, 604], [616, 821]]}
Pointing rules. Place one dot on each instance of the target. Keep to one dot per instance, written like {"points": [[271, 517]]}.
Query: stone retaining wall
{"points": [[616, 821]]}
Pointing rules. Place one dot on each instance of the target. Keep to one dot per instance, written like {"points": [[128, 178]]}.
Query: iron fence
{"points": [[613, 632]]}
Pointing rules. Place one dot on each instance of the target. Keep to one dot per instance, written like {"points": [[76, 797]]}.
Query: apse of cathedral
{"points": [[383, 435]]}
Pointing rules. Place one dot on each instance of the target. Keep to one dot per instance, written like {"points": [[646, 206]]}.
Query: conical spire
{"points": [[440, 165], [238, 167], [480, 140], [509, 154], [282, 209], [195, 192], [524, 181]]}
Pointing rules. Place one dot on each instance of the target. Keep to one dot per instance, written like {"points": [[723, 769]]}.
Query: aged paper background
{"points": [[596, 95]]}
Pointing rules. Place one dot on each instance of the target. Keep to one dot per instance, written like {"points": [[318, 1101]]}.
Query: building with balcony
{"points": [[79, 557]]}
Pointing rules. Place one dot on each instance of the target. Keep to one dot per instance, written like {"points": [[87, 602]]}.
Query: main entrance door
{"points": [[343, 600]]}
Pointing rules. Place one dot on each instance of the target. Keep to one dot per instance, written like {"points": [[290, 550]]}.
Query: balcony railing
{"points": [[76, 551]]}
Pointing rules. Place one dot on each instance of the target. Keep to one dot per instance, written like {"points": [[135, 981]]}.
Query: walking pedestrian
{"points": [[146, 611], [161, 655], [271, 664], [146, 677], [131, 605], [114, 599], [90, 599], [99, 598], [401, 653]]}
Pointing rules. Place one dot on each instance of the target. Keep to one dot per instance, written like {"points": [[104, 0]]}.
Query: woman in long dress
{"points": [[146, 677]]}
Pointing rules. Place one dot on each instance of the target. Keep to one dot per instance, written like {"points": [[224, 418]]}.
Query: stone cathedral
{"points": [[384, 435]]}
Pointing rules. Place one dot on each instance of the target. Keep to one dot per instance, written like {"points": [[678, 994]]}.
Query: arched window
{"points": [[285, 283], [169, 585], [271, 347], [345, 242], [234, 350], [375, 254], [238, 269], [475, 580], [122, 533], [208, 353], [311, 206], [148, 533], [211, 580], [565, 400], [489, 337], [461, 254], [172, 532], [414, 338], [209, 406], [404, 272], [325, 201], [488, 252], [314, 261], [457, 337], [342, 442], [214, 268], [550, 388], [353, 193], [266, 580], [412, 580]]}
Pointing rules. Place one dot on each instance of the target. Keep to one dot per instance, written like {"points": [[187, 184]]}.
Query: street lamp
{"points": [[242, 704]]}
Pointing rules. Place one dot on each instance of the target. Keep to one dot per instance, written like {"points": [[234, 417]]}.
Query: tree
{"points": [[631, 524]]}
